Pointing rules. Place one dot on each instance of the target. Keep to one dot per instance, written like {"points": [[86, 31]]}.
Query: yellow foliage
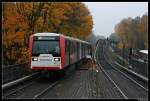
{"points": [[133, 32], [20, 18]]}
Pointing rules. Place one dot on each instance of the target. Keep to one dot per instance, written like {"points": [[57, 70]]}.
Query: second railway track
{"points": [[128, 87]]}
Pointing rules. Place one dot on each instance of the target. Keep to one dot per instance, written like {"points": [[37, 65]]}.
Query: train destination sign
{"points": [[46, 38]]}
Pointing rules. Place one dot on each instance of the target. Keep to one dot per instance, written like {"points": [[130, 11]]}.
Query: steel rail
{"points": [[14, 91], [112, 80], [126, 75], [45, 90]]}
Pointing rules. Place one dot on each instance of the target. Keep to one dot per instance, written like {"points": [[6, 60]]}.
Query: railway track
{"points": [[69, 86], [34, 89], [128, 87], [140, 82], [14, 91], [46, 89], [82, 83], [136, 80]]}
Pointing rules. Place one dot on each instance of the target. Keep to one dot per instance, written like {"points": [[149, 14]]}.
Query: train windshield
{"points": [[46, 47]]}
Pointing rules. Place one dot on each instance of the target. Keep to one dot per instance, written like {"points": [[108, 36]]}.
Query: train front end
{"points": [[45, 52]]}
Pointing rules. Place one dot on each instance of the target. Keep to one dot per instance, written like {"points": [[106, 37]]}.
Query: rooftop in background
{"points": [[144, 51]]}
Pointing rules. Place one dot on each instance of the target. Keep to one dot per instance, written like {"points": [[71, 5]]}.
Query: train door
{"points": [[66, 52], [69, 51], [78, 51]]}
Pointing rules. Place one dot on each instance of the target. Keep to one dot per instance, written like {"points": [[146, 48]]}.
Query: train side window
{"points": [[66, 46], [83, 50], [73, 47], [70, 47]]}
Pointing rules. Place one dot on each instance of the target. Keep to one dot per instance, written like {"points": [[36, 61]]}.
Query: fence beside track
{"points": [[13, 72]]}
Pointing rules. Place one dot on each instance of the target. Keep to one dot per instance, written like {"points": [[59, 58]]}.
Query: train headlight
{"points": [[35, 59], [56, 59]]}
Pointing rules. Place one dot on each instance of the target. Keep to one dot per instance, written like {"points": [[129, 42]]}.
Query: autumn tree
{"points": [[12, 39], [122, 30], [143, 29], [21, 18], [80, 20], [132, 32]]}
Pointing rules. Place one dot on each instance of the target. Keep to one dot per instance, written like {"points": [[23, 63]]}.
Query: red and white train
{"points": [[51, 51]]}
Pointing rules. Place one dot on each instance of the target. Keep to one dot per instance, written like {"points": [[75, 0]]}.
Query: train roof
{"points": [[71, 38], [56, 34], [46, 34]]}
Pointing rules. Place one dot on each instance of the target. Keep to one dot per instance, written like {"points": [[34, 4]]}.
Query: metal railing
{"points": [[13, 72]]}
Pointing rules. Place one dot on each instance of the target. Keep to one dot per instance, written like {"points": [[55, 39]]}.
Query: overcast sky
{"points": [[107, 14]]}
